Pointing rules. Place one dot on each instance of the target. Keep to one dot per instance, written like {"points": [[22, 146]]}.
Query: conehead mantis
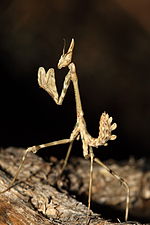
{"points": [[46, 80]]}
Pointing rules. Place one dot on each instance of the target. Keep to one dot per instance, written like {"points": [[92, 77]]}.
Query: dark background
{"points": [[112, 55]]}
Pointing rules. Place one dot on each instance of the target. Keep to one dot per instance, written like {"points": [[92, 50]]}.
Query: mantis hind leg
{"points": [[122, 181]]}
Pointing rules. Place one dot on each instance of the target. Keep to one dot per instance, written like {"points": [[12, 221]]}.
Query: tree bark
{"points": [[42, 196]]}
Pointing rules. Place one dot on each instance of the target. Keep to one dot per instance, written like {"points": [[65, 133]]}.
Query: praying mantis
{"points": [[46, 80]]}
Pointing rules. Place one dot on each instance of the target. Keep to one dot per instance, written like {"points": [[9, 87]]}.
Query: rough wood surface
{"points": [[41, 196]]}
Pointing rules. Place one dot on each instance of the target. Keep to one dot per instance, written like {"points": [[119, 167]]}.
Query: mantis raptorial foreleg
{"points": [[47, 81]]}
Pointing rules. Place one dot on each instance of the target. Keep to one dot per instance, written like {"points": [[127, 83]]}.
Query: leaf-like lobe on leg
{"points": [[47, 82], [106, 128]]}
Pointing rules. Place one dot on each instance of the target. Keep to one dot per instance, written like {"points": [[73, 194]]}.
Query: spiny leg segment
{"points": [[47, 82]]}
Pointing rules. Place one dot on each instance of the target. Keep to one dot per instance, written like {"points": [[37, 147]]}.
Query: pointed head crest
{"points": [[66, 58]]}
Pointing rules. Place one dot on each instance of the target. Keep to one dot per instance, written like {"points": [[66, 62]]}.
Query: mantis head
{"points": [[66, 58]]}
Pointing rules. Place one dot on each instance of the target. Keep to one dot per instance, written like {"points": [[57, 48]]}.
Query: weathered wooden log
{"points": [[42, 196]]}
